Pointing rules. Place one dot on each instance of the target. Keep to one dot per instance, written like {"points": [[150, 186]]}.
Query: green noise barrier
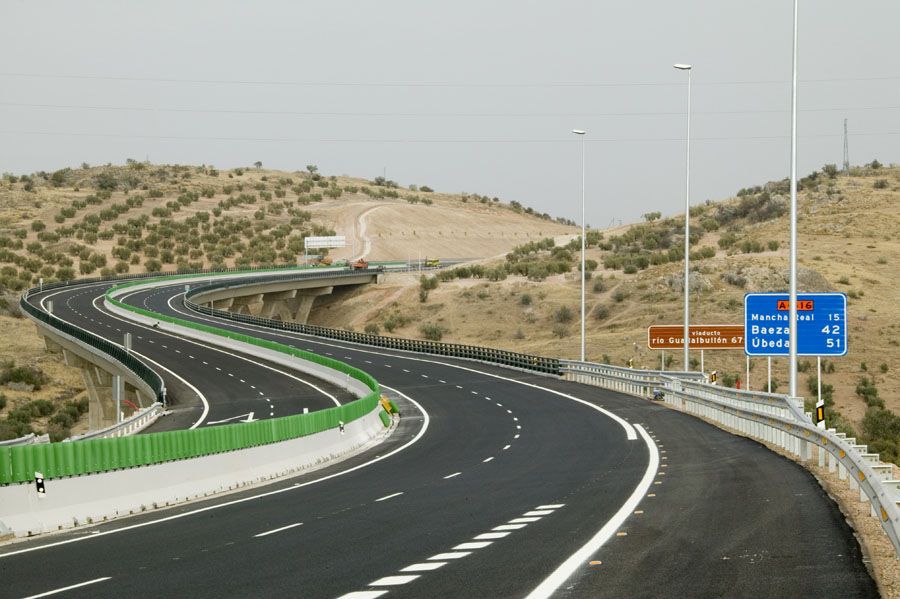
{"points": [[55, 460]]}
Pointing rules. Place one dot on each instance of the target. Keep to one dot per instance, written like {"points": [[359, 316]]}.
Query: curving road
{"points": [[493, 481]]}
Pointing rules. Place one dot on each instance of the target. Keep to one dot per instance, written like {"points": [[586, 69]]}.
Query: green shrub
{"points": [[525, 299], [29, 375], [432, 332], [563, 314], [601, 312], [880, 184], [372, 329]]}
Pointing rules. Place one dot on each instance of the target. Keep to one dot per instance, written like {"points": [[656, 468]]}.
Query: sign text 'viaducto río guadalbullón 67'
{"points": [[702, 336]]}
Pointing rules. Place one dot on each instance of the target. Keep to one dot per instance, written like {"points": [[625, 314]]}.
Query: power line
{"points": [[419, 114], [428, 141], [427, 84]]}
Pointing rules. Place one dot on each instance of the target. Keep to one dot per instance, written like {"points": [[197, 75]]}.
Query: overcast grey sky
{"points": [[477, 96]]}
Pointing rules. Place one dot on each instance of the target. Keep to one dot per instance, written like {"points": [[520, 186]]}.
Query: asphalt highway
{"points": [[492, 481]]}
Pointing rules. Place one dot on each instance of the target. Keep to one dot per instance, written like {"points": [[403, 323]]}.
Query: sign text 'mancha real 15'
{"points": [[821, 324], [702, 336]]}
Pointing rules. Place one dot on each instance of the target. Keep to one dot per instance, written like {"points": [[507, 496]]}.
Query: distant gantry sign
{"points": [[702, 336], [334, 241]]}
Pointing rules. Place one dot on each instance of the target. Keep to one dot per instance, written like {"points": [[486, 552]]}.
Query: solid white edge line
{"points": [[203, 400], [425, 421], [271, 532], [69, 588], [629, 430], [580, 557]]}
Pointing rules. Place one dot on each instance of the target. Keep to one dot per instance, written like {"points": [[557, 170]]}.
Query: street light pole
{"points": [[687, 222], [792, 338], [582, 134]]}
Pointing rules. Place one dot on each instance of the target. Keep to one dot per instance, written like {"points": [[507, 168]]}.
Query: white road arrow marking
{"points": [[249, 418]]}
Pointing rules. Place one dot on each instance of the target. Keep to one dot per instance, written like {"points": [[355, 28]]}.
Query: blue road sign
{"points": [[821, 324]]}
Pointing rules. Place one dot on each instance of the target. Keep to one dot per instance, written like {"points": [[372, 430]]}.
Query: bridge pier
{"points": [[247, 304]]}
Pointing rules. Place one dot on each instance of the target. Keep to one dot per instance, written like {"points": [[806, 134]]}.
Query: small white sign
{"points": [[335, 241]]}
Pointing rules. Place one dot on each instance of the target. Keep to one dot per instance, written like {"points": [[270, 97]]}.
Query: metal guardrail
{"points": [[134, 424], [116, 352], [454, 350], [28, 439], [772, 418]]}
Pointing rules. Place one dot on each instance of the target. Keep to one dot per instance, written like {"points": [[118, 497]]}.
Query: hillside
{"points": [[848, 228], [142, 217]]}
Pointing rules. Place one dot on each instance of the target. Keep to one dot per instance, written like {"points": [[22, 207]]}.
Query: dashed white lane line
{"points": [[219, 369], [242, 380], [177, 351], [231, 375], [508, 411], [405, 370], [190, 356], [69, 588], [363, 595], [391, 581], [517, 436], [424, 567], [459, 386], [472, 545], [500, 404], [164, 345], [474, 392], [510, 526], [491, 535], [253, 386], [424, 376], [261, 393], [450, 555], [486, 460], [271, 532], [367, 361], [519, 426], [505, 447], [538, 512], [205, 363], [440, 381], [524, 520], [452, 475], [388, 366], [389, 496]]}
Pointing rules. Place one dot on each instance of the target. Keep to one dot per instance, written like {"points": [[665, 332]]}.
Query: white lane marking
{"points": [[474, 545], [516, 437], [187, 383], [363, 595], [387, 366], [405, 370], [486, 460], [177, 351], [392, 581], [260, 392], [474, 392], [487, 398], [69, 588], [525, 520], [205, 363], [508, 411], [440, 381], [491, 535], [251, 386], [500, 404], [510, 526], [577, 559], [231, 375], [150, 341], [452, 475], [389, 496], [424, 376], [347, 358], [242, 380], [518, 427], [515, 419], [367, 361], [219, 369], [426, 420], [453, 555], [164, 345], [424, 567], [271, 532], [190, 356], [459, 386], [505, 447], [551, 506], [538, 513]]}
